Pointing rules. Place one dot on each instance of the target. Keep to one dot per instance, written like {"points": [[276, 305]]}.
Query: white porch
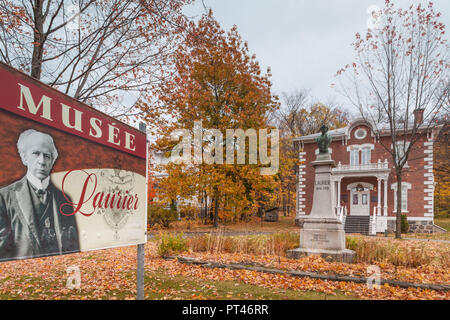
{"points": [[360, 200]]}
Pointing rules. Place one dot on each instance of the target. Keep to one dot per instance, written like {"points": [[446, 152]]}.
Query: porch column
{"points": [[333, 194], [385, 213], [338, 198], [379, 197]]}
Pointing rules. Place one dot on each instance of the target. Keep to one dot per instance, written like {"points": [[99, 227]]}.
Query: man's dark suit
{"points": [[19, 234]]}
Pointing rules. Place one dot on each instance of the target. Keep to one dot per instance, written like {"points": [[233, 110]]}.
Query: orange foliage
{"points": [[218, 82]]}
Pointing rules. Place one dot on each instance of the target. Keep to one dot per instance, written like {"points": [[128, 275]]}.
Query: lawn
{"points": [[443, 222], [255, 224], [182, 287], [111, 274], [284, 224], [160, 286]]}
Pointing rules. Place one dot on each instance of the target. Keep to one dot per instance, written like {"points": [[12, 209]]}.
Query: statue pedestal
{"points": [[321, 232]]}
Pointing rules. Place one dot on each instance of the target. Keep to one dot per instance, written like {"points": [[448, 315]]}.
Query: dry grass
{"points": [[399, 252], [284, 224], [407, 253], [428, 236], [273, 244]]}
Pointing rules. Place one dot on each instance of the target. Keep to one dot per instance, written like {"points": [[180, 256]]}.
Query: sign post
{"points": [[140, 271], [141, 247]]}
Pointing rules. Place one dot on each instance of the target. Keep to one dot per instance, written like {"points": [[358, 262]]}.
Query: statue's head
{"points": [[324, 129]]}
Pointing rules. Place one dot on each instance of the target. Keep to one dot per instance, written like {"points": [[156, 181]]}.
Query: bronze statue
{"points": [[324, 140]]}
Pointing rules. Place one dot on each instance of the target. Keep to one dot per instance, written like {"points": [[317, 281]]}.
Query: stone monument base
{"points": [[344, 255], [324, 237]]}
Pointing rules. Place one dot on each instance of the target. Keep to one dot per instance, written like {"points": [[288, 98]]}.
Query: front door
{"points": [[360, 205]]}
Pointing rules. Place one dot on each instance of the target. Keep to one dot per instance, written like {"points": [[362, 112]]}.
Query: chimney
{"points": [[418, 116]]}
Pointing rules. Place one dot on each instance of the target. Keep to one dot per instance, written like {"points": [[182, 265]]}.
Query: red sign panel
{"points": [[29, 98], [71, 178]]}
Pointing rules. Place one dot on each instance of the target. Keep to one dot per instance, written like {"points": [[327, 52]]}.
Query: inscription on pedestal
{"points": [[322, 184], [319, 237]]}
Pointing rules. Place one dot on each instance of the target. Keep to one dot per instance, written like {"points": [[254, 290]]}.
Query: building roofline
{"points": [[345, 131]]}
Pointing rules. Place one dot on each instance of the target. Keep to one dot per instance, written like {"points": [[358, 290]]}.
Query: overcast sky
{"points": [[303, 41]]}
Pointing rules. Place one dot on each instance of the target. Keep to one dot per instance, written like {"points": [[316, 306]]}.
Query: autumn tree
{"points": [[442, 170], [105, 52], [216, 81], [401, 69], [301, 114]]}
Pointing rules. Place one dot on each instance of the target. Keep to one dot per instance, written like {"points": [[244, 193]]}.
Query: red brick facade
{"points": [[417, 175]]}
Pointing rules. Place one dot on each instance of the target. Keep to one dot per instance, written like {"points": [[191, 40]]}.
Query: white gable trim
{"points": [[404, 184], [364, 184], [361, 146]]}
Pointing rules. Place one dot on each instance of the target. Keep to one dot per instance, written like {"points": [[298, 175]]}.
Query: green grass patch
{"points": [[159, 285], [36, 288], [169, 243], [443, 222]]}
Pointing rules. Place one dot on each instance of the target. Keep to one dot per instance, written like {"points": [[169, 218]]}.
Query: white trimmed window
{"points": [[360, 154], [405, 187], [354, 157], [365, 155]]}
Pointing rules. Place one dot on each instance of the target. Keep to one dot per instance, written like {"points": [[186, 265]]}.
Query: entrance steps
{"points": [[357, 224]]}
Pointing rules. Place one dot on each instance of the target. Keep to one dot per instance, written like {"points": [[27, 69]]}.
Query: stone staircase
{"points": [[357, 224]]}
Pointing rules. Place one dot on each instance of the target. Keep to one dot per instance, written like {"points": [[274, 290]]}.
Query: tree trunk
{"points": [[216, 208], [398, 218], [38, 40], [216, 212], [289, 204], [260, 212], [205, 217], [210, 213]]}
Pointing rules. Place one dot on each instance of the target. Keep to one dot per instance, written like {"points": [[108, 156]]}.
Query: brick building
{"points": [[364, 183]]}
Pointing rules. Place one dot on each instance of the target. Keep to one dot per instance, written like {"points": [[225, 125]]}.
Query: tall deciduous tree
{"points": [[402, 68], [218, 82], [96, 51]]}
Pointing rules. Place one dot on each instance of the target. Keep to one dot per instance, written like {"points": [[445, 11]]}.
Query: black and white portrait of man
{"points": [[31, 223]]}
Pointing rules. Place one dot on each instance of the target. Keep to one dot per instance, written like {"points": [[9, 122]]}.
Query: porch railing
{"points": [[362, 167], [341, 213]]}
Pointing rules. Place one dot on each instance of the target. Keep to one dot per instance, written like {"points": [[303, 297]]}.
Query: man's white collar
{"points": [[38, 184]]}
